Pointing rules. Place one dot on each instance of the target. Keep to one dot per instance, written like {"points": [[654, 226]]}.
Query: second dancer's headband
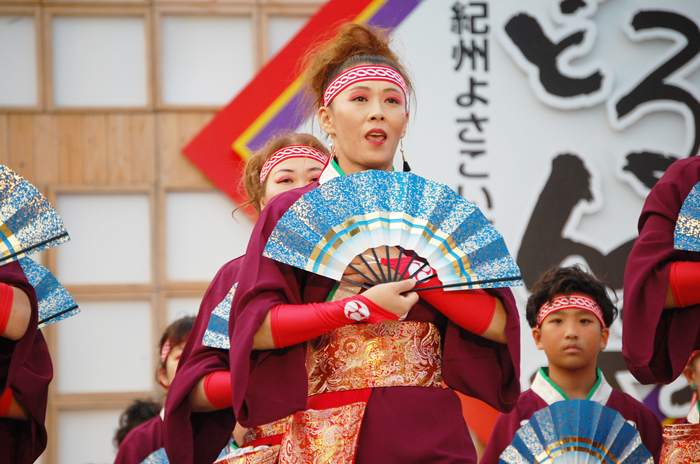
{"points": [[363, 73], [291, 151], [576, 301]]}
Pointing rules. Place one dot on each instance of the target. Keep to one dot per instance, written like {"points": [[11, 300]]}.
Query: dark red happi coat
{"points": [[199, 437], [25, 366], [657, 343], [401, 424]]}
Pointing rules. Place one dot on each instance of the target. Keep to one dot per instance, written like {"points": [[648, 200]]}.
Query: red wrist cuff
{"points": [[292, 324], [685, 283], [217, 388], [5, 401], [6, 297]]}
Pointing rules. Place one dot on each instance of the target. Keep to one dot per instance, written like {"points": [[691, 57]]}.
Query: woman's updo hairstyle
{"points": [[251, 175], [354, 45]]}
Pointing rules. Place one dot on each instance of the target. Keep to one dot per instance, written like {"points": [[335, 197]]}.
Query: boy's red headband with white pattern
{"points": [[360, 74], [576, 301], [292, 151]]}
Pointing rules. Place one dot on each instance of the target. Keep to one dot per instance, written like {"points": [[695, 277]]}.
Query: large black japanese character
{"points": [[543, 245], [655, 88], [527, 34], [570, 6], [648, 166]]}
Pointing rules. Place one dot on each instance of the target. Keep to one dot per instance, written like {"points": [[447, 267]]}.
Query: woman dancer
{"points": [[349, 407], [199, 419], [25, 370], [662, 296]]}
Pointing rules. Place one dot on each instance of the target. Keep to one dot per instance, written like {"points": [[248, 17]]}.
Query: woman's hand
{"points": [[391, 298], [359, 265]]}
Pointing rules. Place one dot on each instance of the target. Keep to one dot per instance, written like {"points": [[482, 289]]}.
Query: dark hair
{"points": [[353, 45], [176, 333], [251, 175], [137, 413], [565, 281]]}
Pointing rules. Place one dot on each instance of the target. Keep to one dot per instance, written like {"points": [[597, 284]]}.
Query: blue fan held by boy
{"points": [[28, 222], [577, 431], [346, 216], [687, 234]]}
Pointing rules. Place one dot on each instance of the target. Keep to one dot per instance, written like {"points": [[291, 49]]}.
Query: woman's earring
{"points": [[332, 148], [693, 386], [406, 167]]}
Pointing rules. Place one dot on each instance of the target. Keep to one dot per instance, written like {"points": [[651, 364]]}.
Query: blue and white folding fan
{"points": [[157, 457], [216, 335], [28, 222], [339, 220], [55, 303], [577, 432], [687, 234]]}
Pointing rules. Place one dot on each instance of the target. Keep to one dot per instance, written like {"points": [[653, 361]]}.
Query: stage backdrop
{"points": [[554, 117]]}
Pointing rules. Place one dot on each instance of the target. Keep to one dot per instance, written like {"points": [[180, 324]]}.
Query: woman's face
{"points": [[366, 121], [290, 174], [166, 376]]}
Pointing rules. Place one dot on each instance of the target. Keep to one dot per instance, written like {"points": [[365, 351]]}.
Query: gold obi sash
{"points": [[343, 366], [681, 444], [390, 354]]}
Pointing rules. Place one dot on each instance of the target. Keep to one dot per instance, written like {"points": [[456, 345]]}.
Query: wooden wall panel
{"points": [[175, 130], [70, 148], [94, 135], [21, 145], [4, 156], [143, 148], [45, 132]]}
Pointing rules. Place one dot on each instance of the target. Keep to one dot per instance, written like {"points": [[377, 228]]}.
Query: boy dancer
{"points": [[570, 314]]}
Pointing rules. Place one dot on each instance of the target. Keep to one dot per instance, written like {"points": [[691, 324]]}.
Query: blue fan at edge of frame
{"points": [[55, 303], [157, 457], [686, 236], [346, 216], [577, 431], [28, 222]]}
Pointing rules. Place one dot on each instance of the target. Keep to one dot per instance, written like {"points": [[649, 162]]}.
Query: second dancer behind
{"points": [[471, 340], [199, 420]]}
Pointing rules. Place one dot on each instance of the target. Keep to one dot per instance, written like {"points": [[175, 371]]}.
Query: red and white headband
{"points": [[292, 151], [165, 351], [363, 73], [575, 300]]}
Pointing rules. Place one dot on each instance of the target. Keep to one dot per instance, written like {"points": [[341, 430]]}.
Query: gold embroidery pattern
{"points": [[681, 444], [389, 354], [267, 430], [328, 436], [264, 456]]}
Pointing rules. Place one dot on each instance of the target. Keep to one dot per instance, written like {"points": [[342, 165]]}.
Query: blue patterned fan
{"points": [[157, 457], [577, 431], [216, 335], [341, 219], [28, 222], [687, 234], [55, 303]]}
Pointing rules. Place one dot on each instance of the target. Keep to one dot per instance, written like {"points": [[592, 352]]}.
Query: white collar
{"points": [[331, 171], [694, 414], [551, 393]]}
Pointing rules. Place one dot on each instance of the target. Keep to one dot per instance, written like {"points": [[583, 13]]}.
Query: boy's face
{"points": [[571, 338]]}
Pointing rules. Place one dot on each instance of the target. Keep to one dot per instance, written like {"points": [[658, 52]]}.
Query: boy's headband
{"points": [[575, 300], [363, 73], [292, 151]]}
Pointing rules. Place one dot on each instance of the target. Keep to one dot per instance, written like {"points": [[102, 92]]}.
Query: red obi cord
{"points": [[685, 283], [472, 310], [6, 296], [217, 388], [292, 324]]}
